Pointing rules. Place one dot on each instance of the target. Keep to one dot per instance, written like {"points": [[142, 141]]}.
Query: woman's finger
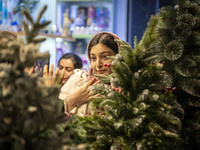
{"points": [[45, 71], [56, 73], [97, 82], [91, 82], [31, 71], [51, 70], [96, 96], [56, 76], [61, 76]]}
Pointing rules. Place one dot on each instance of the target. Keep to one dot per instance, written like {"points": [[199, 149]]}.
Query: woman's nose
{"points": [[62, 71], [99, 63]]}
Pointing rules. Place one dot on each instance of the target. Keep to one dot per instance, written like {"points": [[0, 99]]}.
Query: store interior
{"points": [[141, 92], [74, 22]]}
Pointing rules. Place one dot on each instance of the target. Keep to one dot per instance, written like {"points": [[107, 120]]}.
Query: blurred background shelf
{"points": [[65, 38], [84, 0], [82, 36]]}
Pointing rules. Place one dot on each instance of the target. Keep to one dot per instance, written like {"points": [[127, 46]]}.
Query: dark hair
{"points": [[77, 61], [105, 38]]}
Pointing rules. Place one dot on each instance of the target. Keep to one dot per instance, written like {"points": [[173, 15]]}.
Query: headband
{"points": [[114, 35]]}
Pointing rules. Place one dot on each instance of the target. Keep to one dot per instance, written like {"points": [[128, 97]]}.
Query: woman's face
{"points": [[67, 66], [98, 59]]}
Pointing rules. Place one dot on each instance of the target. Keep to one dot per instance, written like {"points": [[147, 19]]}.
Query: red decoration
{"points": [[98, 112], [107, 65], [174, 89], [169, 89], [113, 141], [116, 89], [161, 62], [103, 114], [68, 115]]}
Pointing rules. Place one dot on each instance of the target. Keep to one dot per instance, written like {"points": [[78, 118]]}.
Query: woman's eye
{"points": [[105, 57], [93, 58], [69, 70]]}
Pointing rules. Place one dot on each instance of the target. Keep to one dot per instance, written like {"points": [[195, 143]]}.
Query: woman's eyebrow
{"points": [[105, 52], [68, 67], [101, 53], [65, 67]]}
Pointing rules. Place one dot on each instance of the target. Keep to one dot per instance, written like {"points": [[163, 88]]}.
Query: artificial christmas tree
{"points": [[155, 102], [178, 46], [30, 112], [137, 113], [178, 49], [150, 101]]}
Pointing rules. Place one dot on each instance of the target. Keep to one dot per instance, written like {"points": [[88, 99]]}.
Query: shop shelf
{"points": [[65, 38]]}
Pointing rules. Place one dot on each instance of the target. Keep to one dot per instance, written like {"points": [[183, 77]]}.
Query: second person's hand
{"points": [[50, 78], [81, 95]]}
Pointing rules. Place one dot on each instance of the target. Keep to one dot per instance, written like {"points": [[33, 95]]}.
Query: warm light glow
{"points": [[54, 28], [59, 39]]}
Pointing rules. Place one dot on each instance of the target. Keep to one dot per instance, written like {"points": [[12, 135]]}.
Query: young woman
{"points": [[75, 92], [66, 65]]}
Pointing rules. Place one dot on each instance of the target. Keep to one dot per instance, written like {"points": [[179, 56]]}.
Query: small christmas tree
{"points": [[137, 113], [30, 112]]}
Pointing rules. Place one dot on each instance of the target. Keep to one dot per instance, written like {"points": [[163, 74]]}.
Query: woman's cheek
{"points": [[93, 66]]}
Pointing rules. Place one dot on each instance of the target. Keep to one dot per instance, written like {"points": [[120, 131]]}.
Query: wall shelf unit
{"points": [[69, 39]]}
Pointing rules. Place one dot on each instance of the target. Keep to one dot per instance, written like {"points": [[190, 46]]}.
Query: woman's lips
{"points": [[100, 71]]}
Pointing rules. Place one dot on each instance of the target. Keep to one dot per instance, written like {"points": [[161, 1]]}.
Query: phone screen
{"points": [[39, 65]]}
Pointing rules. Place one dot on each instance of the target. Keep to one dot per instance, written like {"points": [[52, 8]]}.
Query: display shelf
{"points": [[84, 0], [69, 39], [82, 36], [86, 14], [74, 0]]}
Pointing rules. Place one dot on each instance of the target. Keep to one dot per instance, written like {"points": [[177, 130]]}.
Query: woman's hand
{"points": [[51, 79], [29, 70], [80, 96]]}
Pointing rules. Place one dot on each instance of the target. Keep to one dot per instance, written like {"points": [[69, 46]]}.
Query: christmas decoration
{"points": [[30, 113], [178, 46], [134, 113], [150, 101], [157, 105]]}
